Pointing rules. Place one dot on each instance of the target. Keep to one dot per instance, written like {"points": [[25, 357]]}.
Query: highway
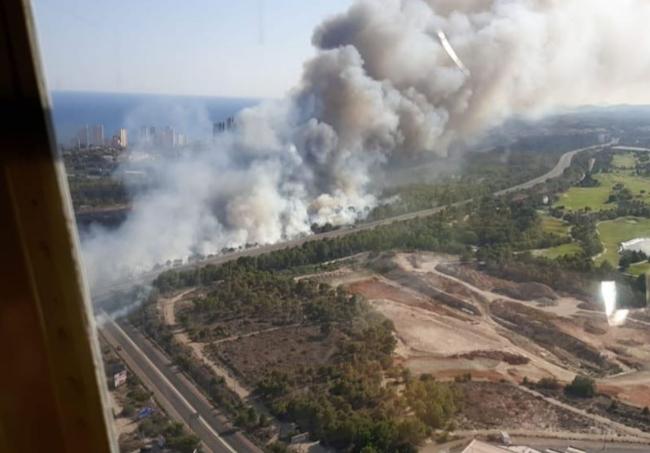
{"points": [[173, 391], [563, 163]]}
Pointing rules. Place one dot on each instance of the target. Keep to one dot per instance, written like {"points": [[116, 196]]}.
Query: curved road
{"points": [[563, 163]]}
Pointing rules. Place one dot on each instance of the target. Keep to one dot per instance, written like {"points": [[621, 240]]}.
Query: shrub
{"points": [[581, 387]]}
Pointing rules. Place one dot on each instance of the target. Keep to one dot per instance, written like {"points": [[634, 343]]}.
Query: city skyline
{"points": [[93, 135]]}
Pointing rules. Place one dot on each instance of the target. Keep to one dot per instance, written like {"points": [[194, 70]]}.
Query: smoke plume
{"points": [[381, 87]]}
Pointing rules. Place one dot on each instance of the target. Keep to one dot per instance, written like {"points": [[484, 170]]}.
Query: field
{"points": [[559, 228], [595, 198], [613, 232], [560, 250], [624, 160], [554, 226], [639, 268]]}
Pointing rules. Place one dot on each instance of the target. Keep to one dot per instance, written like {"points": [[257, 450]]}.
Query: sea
{"points": [[190, 115]]}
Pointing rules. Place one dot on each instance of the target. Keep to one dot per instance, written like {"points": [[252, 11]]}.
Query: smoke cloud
{"points": [[380, 88]]}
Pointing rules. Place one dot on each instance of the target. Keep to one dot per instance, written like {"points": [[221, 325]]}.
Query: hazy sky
{"points": [[243, 48]]}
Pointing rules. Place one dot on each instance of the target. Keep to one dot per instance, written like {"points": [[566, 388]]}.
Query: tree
{"points": [[581, 387], [184, 443]]}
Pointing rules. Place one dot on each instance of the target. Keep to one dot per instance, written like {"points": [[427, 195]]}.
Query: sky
{"points": [[241, 48]]}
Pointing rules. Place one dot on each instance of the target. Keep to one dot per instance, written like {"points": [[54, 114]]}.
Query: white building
{"points": [[122, 138]]}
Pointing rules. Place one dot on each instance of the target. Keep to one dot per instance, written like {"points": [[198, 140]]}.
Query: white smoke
{"points": [[381, 86]]}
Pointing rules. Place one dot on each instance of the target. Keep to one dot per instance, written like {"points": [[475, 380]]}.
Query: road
{"points": [[175, 393], [563, 163]]}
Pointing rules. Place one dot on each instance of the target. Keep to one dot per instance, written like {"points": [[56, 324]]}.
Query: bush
{"points": [[128, 410], [581, 387], [548, 384], [184, 443]]}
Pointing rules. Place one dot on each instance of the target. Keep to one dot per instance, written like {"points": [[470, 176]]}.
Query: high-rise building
{"points": [[97, 135], [181, 140], [83, 137], [223, 126], [144, 138], [166, 137], [122, 138]]}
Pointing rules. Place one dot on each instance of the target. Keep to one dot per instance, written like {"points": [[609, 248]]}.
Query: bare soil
{"points": [[451, 319]]}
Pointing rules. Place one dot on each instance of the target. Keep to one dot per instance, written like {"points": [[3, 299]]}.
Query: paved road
{"points": [[562, 164], [176, 394]]}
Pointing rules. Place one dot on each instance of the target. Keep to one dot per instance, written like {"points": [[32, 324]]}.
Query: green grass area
{"points": [[624, 160], [613, 232], [639, 268], [577, 198], [560, 250], [554, 226]]}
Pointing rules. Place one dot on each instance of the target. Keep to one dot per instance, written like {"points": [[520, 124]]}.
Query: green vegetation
{"points": [[569, 249], [596, 198], [481, 173], [555, 226], [613, 232], [581, 387], [176, 438], [639, 268], [625, 161], [561, 229], [349, 399]]}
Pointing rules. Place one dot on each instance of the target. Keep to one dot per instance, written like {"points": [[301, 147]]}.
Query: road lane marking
{"points": [[174, 389]]}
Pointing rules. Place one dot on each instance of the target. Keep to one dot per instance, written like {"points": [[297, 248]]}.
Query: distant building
{"points": [[166, 137], [145, 136], [180, 140], [123, 138], [120, 139], [223, 126], [83, 137], [97, 135]]}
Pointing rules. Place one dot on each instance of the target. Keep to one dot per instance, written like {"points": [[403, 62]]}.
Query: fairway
{"points": [[565, 249], [639, 268], [577, 198], [613, 232], [554, 226], [624, 160]]}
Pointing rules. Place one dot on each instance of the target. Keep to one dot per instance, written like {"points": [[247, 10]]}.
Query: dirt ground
{"points": [[437, 337]]}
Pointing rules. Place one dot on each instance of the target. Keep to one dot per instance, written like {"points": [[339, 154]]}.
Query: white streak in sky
{"points": [[452, 53]]}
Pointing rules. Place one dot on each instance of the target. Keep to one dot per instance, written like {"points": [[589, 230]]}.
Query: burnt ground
{"points": [[497, 405], [291, 351], [605, 406]]}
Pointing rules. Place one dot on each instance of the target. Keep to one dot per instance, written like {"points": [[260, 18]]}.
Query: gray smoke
{"points": [[379, 88]]}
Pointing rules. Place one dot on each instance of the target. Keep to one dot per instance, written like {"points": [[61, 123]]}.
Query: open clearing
{"points": [[559, 228], [624, 161], [639, 268], [554, 226], [561, 250], [514, 330], [595, 198], [613, 232]]}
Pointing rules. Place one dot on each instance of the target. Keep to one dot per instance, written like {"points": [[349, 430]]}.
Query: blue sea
{"points": [[190, 115]]}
